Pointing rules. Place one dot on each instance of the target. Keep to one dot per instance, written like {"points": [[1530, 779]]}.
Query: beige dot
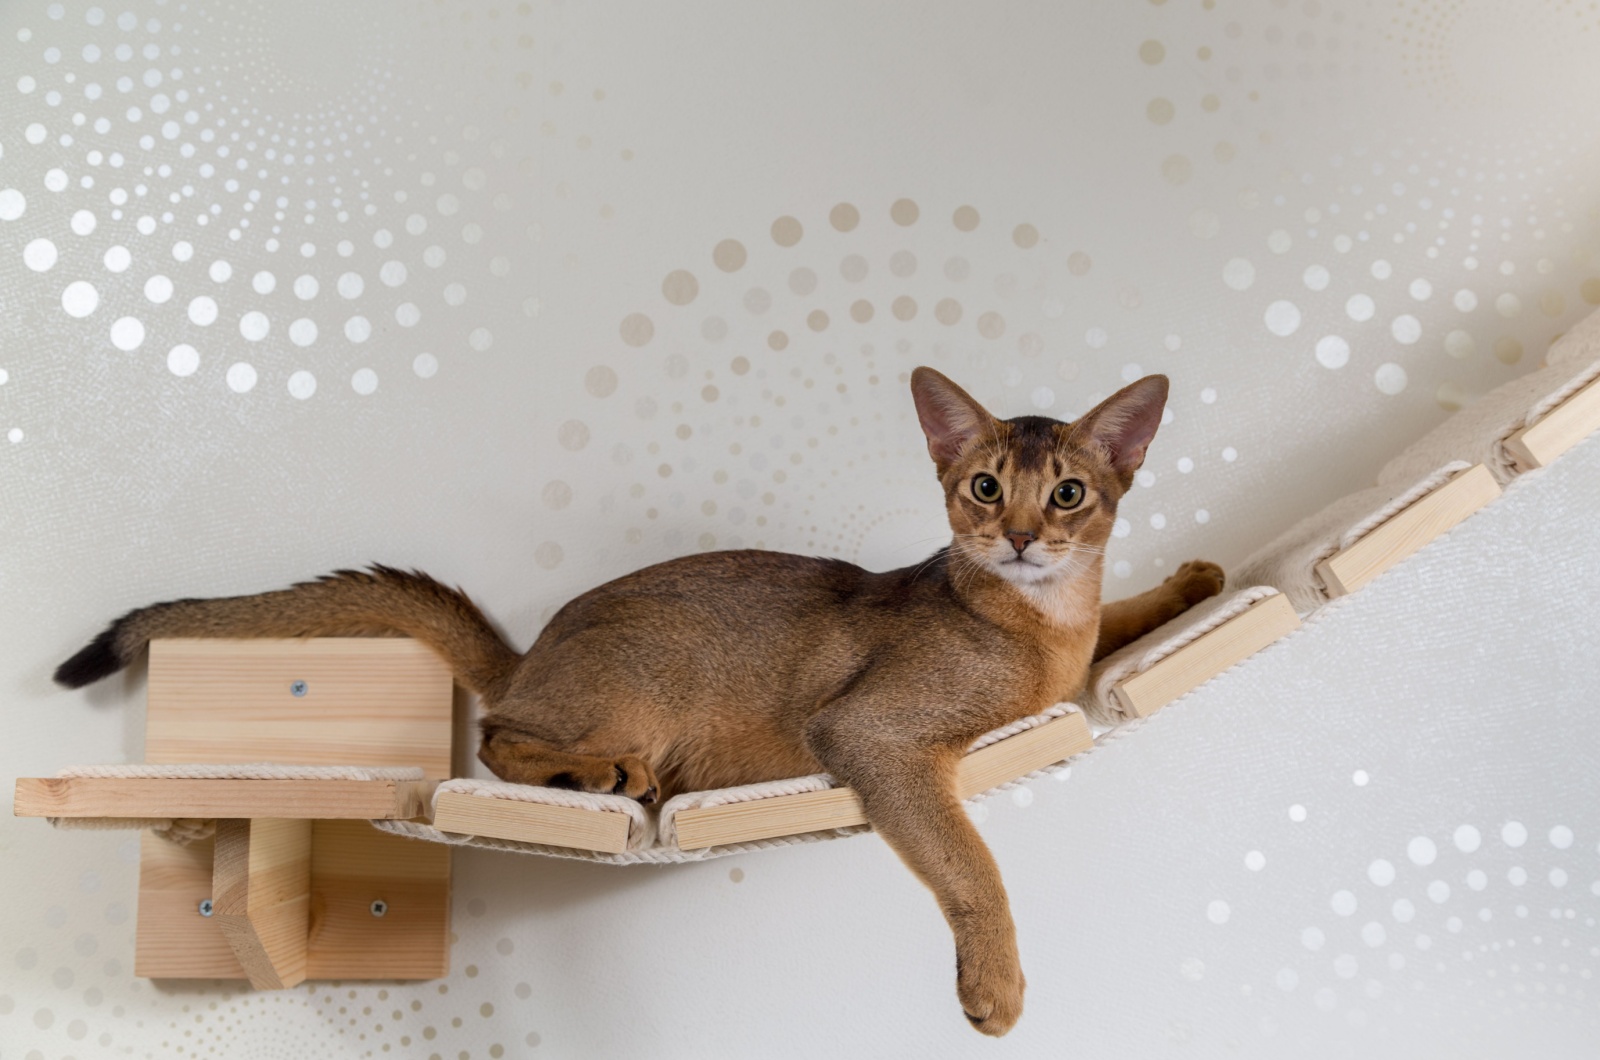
{"points": [[903, 263], [991, 325], [680, 287], [708, 540], [778, 340], [957, 269], [904, 212], [548, 555], [1507, 350], [861, 311], [1079, 263], [1152, 52], [557, 494], [1177, 169], [904, 307], [637, 329], [786, 231], [1159, 110], [1030, 344], [844, 217], [736, 875], [802, 281], [714, 329], [573, 435], [1209, 103], [684, 432], [965, 218], [1223, 152], [817, 320], [1450, 396], [1591, 290], [600, 381], [1552, 304], [947, 311], [709, 393], [729, 255], [757, 300], [665, 470], [740, 365], [1025, 236]]}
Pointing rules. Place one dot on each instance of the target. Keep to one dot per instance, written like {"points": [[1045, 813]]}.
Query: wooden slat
{"points": [[1199, 661], [1407, 531], [1561, 428], [814, 811], [261, 893], [310, 799], [376, 701], [531, 822], [174, 941], [354, 865]]}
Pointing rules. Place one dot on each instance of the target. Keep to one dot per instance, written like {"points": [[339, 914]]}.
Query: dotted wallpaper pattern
{"points": [[532, 294]]}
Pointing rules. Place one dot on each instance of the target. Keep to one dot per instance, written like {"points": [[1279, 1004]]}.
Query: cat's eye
{"points": [[1068, 495], [986, 488]]}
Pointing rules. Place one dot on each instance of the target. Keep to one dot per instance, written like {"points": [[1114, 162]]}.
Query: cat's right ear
{"points": [[949, 416]]}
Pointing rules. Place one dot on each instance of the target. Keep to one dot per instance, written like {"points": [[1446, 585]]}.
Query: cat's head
{"points": [[1034, 499]]}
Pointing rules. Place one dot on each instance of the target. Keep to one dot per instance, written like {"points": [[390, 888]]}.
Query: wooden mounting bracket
{"points": [[261, 897]]}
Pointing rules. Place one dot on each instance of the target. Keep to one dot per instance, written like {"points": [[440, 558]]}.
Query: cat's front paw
{"points": [[991, 992], [635, 779], [1195, 581]]}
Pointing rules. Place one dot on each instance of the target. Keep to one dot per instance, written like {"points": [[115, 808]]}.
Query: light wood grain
{"points": [[261, 890], [1407, 531], [376, 701], [813, 811], [1202, 659], [354, 865], [173, 941], [531, 822], [1561, 428], [132, 797]]}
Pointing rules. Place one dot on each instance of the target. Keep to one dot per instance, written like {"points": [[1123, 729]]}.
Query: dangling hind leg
{"points": [[522, 759]]}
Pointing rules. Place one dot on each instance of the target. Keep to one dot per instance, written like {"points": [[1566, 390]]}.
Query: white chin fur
{"points": [[1022, 572]]}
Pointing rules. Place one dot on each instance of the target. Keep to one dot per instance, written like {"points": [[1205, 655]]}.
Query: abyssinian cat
{"points": [[734, 667]]}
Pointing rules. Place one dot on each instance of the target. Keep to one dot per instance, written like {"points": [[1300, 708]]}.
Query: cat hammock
{"points": [[290, 882]]}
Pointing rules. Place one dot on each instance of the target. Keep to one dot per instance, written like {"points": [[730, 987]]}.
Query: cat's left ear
{"points": [[1124, 423], [949, 416]]}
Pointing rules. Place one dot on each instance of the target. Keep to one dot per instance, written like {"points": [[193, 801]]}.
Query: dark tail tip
{"points": [[97, 660]]}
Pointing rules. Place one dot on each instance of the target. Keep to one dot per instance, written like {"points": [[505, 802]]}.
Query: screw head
{"points": [[206, 908], [380, 907], [297, 688]]}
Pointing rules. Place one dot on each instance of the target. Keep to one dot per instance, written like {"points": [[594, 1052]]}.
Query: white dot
{"points": [[1279, 241], [1517, 876], [1360, 778], [1282, 318], [1255, 861], [1390, 378], [220, 272], [303, 332], [1360, 307], [426, 365], [1202, 516], [1561, 837], [158, 289], [433, 257], [1343, 903], [1403, 911], [1477, 880], [1381, 872], [80, 298], [1208, 395], [1316, 277], [393, 273], [1439, 891], [480, 339], [117, 259], [1313, 939], [127, 333], [1406, 329], [1508, 305], [406, 314], [1095, 338], [1185, 465], [183, 359], [35, 133], [264, 282], [306, 287], [1297, 813], [1514, 834], [1043, 397], [1230, 454], [83, 222], [203, 311], [40, 255], [1421, 851], [448, 204], [1421, 289], [1465, 300], [454, 294], [254, 325], [1467, 839], [1145, 477], [182, 250], [1558, 877], [1122, 569], [14, 435], [1121, 527], [308, 250], [1459, 344], [302, 384], [1382, 270], [365, 381], [1239, 274], [13, 204], [1218, 912], [358, 329], [56, 180], [5, 377], [241, 377], [351, 285], [1287, 979], [1332, 351]]}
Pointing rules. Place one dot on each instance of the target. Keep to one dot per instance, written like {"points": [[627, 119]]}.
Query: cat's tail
{"points": [[376, 602]]}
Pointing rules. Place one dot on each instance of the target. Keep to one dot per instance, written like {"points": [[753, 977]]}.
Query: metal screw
{"points": [[205, 907], [298, 688], [380, 907]]}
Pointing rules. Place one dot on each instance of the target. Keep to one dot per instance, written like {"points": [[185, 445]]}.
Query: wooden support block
{"points": [[1561, 428], [1407, 531], [174, 940], [1199, 661], [261, 897], [813, 811], [531, 822], [139, 797]]}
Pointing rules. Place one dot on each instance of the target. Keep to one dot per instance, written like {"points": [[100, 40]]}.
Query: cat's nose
{"points": [[1020, 539]]}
